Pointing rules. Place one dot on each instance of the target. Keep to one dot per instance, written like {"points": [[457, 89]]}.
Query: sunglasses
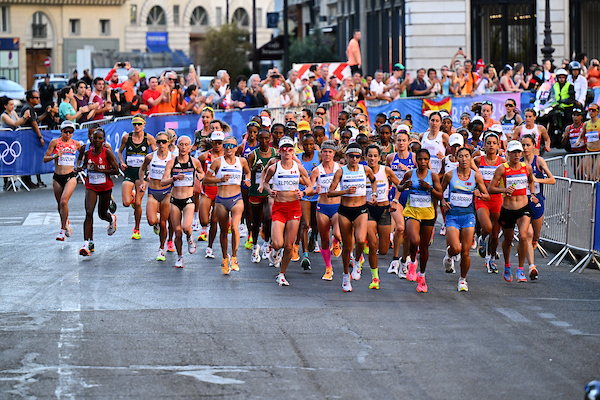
{"points": [[286, 148], [489, 103], [69, 131], [137, 124], [354, 155], [218, 142], [229, 146], [320, 113], [509, 105], [162, 141], [36, 97], [393, 118], [593, 109]]}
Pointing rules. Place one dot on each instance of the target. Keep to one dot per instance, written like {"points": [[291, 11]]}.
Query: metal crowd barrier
{"points": [[556, 214], [100, 122], [278, 113], [556, 165], [585, 166]]}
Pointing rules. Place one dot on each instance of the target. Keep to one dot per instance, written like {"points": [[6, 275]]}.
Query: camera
{"points": [[119, 90], [177, 85], [121, 65]]}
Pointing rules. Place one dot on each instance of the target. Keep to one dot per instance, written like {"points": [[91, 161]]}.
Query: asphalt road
{"points": [[120, 325]]}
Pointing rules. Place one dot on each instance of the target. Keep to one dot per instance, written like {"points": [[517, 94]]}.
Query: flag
{"points": [[430, 105], [361, 104]]}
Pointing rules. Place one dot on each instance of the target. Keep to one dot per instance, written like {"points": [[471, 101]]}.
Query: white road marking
{"points": [[512, 314], [562, 324], [562, 299], [53, 218], [547, 315]]}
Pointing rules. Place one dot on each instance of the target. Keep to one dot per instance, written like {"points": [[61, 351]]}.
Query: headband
{"points": [[253, 123], [139, 120], [353, 150], [327, 146]]}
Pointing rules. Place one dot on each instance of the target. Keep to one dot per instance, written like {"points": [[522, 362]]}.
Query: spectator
{"points": [[548, 75], [87, 78], [378, 89], [47, 92], [400, 84], [214, 92], [593, 75], [483, 82], [295, 85], [73, 81], [353, 54], [307, 95], [521, 81], [433, 81], [470, 78], [153, 97], [273, 89], [579, 82], [192, 100], [257, 92], [66, 111], [97, 97], [113, 76], [583, 60], [346, 91], [81, 100], [52, 119], [33, 99], [241, 96], [333, 87], [419, 87], [143, 84], [225, 89], [322, 84], [9, 118], [133, 77]]}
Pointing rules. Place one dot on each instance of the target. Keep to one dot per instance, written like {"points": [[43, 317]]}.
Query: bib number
{"points": [[487, 173], [461, 199], [135, 160], [420, 200], [592, 136], [66, 159], [258, 178], [187, 181], [96, 178], [519, 182], [507, 129], [156, 171], [436, 164]]}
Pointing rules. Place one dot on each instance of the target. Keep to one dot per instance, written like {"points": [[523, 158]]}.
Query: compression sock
{"points": [[326, 253]]}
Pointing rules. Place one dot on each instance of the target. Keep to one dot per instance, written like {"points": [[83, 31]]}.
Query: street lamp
{"points": [[547, 50]]}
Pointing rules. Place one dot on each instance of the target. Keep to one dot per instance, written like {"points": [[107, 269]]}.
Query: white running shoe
{"points": [[355, 271], [243, 230], [403, 269], [317, 247], [68, 231], [394, 265], [281, 280], [443, 230], [474, 244], [191, 244], [61, 235], [265, 249], [449, 262], [209, 253], [85, 249], [179, 262], [112, 227], [156, 227], [462, 285], [255, 257], [161, 255], [346, 284], [196, 225]]}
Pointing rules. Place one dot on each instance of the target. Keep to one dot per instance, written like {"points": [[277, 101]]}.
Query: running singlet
{"points": [[418, 197], [508, 125], [434, 146], [591, 131], [382, 186], [135, 153], [186, 168], [248, 149], [253, 191], [157, 166], [69, 150], [488, 171], [384, 153], [449, 166], [96, 180], [538, 174], [516, 178], [535, 132], [234, 171], [461, 194], [574, 135], [309, 166], [407, 162], [286, 180], [356, 179], [324, 179], [477, 145]]}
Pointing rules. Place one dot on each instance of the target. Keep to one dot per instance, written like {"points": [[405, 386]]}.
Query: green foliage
{"points": [[314, 48], [226, 47]]}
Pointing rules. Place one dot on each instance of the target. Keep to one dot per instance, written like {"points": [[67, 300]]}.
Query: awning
{"points": [[185, 60], [158, 42]]}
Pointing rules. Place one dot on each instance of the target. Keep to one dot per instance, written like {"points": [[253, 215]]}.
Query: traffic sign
{"points": [[47, 62]]}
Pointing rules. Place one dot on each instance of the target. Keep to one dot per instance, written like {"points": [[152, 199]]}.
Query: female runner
{"points": [[531, 128], [386, 142], [248, 145]]}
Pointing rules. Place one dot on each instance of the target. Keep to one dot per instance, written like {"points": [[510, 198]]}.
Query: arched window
{"points": [[199, 17], [39, 25], [241, 18], [156, 17]]}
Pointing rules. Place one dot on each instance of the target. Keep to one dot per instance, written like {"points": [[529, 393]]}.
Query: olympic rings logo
{"points": [[9, 155]]}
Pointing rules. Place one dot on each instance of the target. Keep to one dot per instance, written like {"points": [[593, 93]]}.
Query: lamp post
{"points": [[547, 50]]}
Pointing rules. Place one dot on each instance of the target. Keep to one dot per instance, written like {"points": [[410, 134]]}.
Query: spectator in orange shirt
{"points": [[133, 77], [173, 99], [353, 53]]}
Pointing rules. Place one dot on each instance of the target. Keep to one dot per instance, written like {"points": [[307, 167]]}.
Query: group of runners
{"points": [[361, 193]]}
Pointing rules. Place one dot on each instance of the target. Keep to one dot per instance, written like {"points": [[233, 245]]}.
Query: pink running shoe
{"points": [[412, 271], [421, 285]]}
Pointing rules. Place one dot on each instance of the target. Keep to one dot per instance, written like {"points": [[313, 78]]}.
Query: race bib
{"points": [[420, 200], [96, 178], [573, 141], [187, 181], [536, 187], [436, 164], [487, 172], [461, 199], [258, 178], [135, 160], [157, 171], [67, 159], [592, 136], [507, 129], [518, 181]]}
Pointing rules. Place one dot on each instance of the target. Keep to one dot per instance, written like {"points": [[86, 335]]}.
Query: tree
{"points": [[226, 47], [314, 48]]}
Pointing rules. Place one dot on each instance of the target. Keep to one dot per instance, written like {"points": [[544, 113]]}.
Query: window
{"points": [[133, 14], [176, 15], [105, 27], [4, 19], [241, 18], [259, 21], [156, 17], [219, 16], [199, 17], [75, 27], [38, 26]]}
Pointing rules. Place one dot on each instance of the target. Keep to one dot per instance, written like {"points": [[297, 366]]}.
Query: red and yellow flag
{"points": [[430, 105]]}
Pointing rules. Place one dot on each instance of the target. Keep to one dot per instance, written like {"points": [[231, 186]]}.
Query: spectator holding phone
{"points": [[273, 87], [113, 77]]}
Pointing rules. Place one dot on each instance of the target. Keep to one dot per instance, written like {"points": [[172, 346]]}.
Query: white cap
{"points": [[514, 145], [354, 132], [286, 141], [496, 128], [478, 118], [266, 121], [403, 127], [217, 135], [456, 139], [67, 124]]}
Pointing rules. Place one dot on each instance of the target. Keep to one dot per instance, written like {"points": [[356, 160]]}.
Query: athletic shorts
{"points": [[494, 205], [328, 209], [181, 203], [537, 210], [420, 213], [460, 221], [508, 218], [257, 199], [351, 213], [159, 194], [380, 214], [284, 212], [210, 192], [132, 174], [63, 179], [228, 202]]}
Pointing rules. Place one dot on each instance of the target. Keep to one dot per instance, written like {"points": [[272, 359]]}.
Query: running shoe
{"points": [[265, 249], [225, 267], [156, 227], [355, 271], [305, 262], [311, 241], [196, 225], [91, 246], [411, 274], [443, 230], [275, 257], [366, 250], [170, 247], [449, 263], [394, 265], [209, 253], [462, 285], [481, 247], [328, 276], [533, 273], [490, 264], [68, 231], [534, 243], [112, 206], [421, 284], [521, 275], [403, 271], [255, 257], [203, 237], [179, 262], [361, 260], [61, 235], [161, 255], [243, 230], [112, 227], [346, 284], [248, 244], [317, 247], [336, 249], [295, 254], [281, 280], [191, 244], [234, 264], [85, 250], [374, 284], [474, 242], [507, 275], [136, 234]]}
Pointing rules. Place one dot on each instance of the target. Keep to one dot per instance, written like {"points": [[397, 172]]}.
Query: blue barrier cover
{"points": [[596, 220]]}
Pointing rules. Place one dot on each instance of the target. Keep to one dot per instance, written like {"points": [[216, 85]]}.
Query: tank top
{"points": [[516, 178], [508, 125], [574, 133], [487, 171], [286, 180], [69, 150], [434, 146], [157, 166], [383, 186], [538, 187], [309, 165], [461, 194], [95, 180], [356, 178], [135, 153], [324, 179], [448, 166], [186, 168], [253, 191], [407, 162], [418, 197], [477, 145], [248, 149], [533, 131], [82, 103], [591, 131], [234, 170], [384, 154]]}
